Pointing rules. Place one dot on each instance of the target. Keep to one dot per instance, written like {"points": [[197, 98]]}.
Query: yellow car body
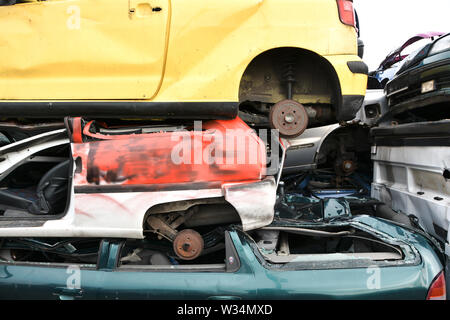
{"points": [[102, 53]]}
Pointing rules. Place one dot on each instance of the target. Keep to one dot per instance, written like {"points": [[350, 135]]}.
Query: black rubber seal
{"points": [[120, 109]]}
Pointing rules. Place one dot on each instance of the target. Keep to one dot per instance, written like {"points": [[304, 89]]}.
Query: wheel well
{"points": [[185, 205], [264, 79]]}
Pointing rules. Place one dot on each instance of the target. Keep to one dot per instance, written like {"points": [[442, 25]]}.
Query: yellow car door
{"points": [[83, 49]]}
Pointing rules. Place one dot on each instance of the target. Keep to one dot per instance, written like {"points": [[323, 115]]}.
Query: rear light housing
{"points": [[437, 289], [346, 12]]}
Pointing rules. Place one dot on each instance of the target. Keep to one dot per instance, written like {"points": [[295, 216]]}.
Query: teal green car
{"points": [[360, 257]]}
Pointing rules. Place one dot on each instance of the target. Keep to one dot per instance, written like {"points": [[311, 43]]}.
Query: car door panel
{"points": [[83, 49], [174, 285], [35, 281]]}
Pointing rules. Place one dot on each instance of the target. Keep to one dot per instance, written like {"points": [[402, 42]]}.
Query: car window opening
{"points": [[155, 252], [50, 251], [297, 245], [38, 185]]}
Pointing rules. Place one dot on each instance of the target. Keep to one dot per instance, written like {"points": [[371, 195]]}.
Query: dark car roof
{"points": [[390, 58], [422, 54]]}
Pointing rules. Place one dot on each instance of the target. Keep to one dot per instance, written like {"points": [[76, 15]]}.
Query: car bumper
{"points": [[352, 74], [431, 98], [406, 88]]}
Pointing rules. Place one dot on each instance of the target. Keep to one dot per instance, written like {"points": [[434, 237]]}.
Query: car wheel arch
{"points": [[183, 205], [330, 72]]}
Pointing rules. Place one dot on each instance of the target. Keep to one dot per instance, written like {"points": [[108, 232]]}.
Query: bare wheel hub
{"points": [[348, 167], [289, 117], [188, 244]]}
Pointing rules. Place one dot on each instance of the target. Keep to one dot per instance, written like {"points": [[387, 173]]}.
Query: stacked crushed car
{"points": [[392, 160], [203, 162]]}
